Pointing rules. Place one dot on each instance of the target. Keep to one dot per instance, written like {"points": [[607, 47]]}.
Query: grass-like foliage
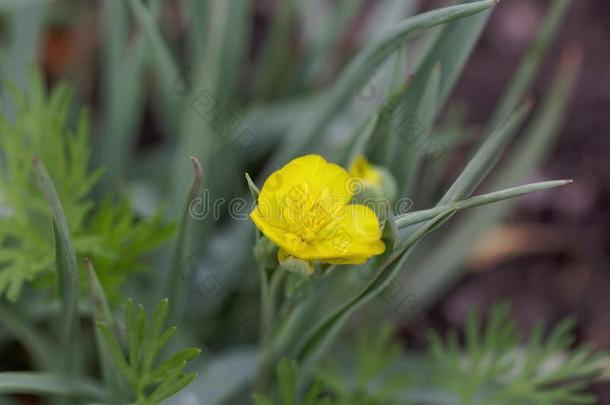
{"points": [[369, 377], [493, 365], [290, 103], [497, 369], [152, 381], [36, 124]]}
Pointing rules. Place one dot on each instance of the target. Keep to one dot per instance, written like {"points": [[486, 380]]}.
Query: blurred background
{"points": [[550, 257]]}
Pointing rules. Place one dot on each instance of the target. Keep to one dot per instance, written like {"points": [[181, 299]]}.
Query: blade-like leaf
{"points": [[357, 145], [114, 349], [439, 271], [101, 313], [276, 51], [165, 60], [531, 60], [152, 339], [416, 217], [486, 157], [451, 50], [178, 274], [49, 384], [122, 92], [409, 154], [67, 268], [215, 82], [197, 12], [323, 334], [311, 127], [287, 374], [342, 15], [101, 309]]}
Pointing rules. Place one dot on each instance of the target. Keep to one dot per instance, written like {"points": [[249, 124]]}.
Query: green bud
{"points": [[373, 186], [265, 253], [294, 265]]}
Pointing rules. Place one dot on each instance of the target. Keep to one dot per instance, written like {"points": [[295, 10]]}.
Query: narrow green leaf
{"points": [[254, 190], [178, 274], [67, 269], [287, 374], [438, 272], [390, 233], [23, 29], [167, 335], [144, 343], [261, 400], [358, 143], [49, 384], [451, 50], [197, 12], [133, 334], [215, 81], [165, 60], [416, 217], [101, 309], [531, 60], [101, 314], [381, 138], [174, 362], [343, 14], [171, 387], [323, 334], [153, 348], [486, 157], [114, 349], [311, 127], [276, 49], [408, 155], [121, 91]]}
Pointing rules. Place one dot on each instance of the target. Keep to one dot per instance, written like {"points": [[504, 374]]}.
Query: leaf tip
{"points": [[197, 167]]}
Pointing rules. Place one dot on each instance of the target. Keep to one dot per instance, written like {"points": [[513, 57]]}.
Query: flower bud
{"points": [[374, 186], [294, 265], [265, 253]]}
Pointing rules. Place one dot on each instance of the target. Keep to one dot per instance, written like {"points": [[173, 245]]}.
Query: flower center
{"points": [[307, 214]]}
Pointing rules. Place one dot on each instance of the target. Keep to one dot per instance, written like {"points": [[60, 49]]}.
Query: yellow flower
{"points": [[373, 185], [304, 209], [362, 169]]}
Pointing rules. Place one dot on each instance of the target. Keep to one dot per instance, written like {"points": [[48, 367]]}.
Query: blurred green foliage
{"points": [[338, 78], [110, 233]]}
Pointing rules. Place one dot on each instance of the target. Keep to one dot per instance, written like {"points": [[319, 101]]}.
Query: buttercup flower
{"points": [[377, 184], [304, 209], [362, 169]]}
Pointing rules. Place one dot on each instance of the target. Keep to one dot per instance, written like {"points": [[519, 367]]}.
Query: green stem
{"points": [[269, 296]]}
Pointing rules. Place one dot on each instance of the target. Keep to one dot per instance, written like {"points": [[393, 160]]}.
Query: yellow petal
{"points": [[291, 192], [351, 239], [303, 209], [307, 174], [362, 169]]}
